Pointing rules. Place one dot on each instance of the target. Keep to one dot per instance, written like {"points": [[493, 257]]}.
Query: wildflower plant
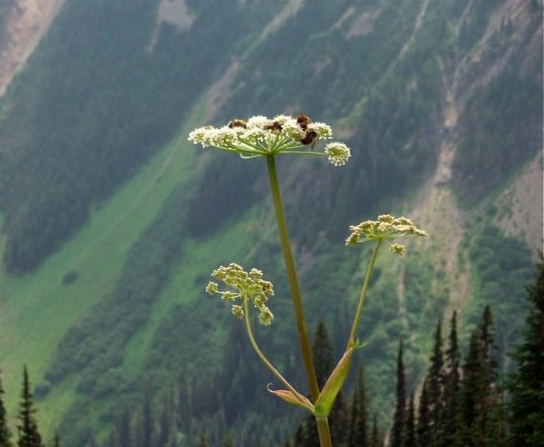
{"points": [[284, 135]]}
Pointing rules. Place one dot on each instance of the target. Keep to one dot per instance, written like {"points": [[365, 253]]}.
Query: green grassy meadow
{"points": [[97, 253]]}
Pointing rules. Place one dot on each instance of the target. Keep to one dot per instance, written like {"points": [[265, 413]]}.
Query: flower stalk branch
{"points": [[361, 304], [302, 401], [293, 279]]}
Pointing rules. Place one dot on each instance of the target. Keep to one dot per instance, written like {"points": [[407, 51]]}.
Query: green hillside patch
{"points": [[160, 345], [93, 259]]}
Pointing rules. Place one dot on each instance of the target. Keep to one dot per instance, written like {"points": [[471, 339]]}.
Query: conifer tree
{"points": [[449, 423], [339, 421], [5, 434], [480, 395], [323, 354], [375, 439], [29, 435], [399, 417], [435, 385], [358, 426], [527, 383], [490, 397], [409, 433], [470, 391], [423, 432]]}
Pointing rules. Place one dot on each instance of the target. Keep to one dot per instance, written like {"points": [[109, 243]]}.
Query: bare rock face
{"points": [[26, 23]]}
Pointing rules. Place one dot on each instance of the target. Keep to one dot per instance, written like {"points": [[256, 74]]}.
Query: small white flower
{"points": [[337, 153], [257, 121], [323, 130]]}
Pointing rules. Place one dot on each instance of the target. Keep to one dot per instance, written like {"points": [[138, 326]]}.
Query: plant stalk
{"points": [[293, 279], [260, 353], [324, 432], [362, 297]]}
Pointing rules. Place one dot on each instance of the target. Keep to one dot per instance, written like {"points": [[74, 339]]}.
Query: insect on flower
{"points": [[310, 138], [237, 123], [310, 135], [273, 125], [303, 121]]}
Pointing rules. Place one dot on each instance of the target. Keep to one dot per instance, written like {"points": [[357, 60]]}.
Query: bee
{"points": [[303, 121], [273, 125], [310, 138], [237, 123]]}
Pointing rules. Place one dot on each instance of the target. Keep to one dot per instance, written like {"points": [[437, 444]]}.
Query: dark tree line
{"points": [[462, 401]]}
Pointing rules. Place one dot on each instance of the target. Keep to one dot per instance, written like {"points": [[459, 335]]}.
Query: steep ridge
{"points": [[26, 23], [437, 208]]}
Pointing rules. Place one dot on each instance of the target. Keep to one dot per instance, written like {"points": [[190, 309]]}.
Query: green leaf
{"points": [[334, 384]]}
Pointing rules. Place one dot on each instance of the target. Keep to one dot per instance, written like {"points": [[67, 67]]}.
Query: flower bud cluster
{"points": [[262, 136], [247, 286], [386, 227]]}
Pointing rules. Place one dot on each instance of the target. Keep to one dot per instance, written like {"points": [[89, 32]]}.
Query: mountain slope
{"points": [[113, 232]]}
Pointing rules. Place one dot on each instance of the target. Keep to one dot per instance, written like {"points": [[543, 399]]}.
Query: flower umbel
{"points": [[386, 227], [247, 286], [337, 153], [262, 136]]}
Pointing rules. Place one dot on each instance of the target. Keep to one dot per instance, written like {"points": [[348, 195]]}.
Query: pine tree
{"points": [[5, 434], [480, 397], [423, 430], [358, 427], [339, 421], [449, 423], [435, 386], [470, 391], [409, 433], [375, 439], [400, 408], [527, 383], [490, 395], [323, 354], [29, 435]]}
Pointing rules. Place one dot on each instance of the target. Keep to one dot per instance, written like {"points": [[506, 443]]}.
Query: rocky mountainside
{"points": [[111, 221]]}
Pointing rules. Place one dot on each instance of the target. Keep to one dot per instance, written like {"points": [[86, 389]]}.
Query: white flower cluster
{"points": [[248, 286], [386, 227], [262, 136]]}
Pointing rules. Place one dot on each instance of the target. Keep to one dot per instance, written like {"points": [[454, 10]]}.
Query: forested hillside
{"points": [[112, 221]]}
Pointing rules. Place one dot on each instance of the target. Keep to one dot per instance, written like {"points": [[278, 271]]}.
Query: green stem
{"points": [[362, 297], [293, 280], [260, 353], [324, 432]]}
